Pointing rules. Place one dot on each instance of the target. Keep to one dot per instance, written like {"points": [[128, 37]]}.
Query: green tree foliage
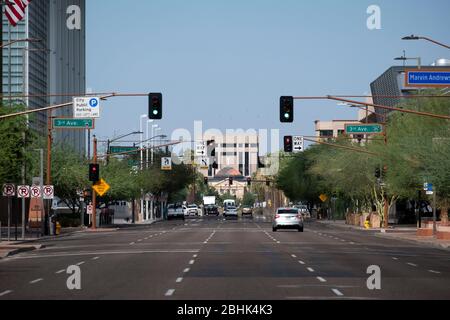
{"points": [[249, 199]]}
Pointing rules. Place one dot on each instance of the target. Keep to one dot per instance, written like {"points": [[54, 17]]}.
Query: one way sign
{"points": [[298, 144]]}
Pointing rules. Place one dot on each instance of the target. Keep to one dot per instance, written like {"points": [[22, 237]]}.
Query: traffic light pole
{"points": [[49, 166], [94, 195]]}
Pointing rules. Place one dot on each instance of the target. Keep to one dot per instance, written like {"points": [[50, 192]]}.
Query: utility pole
{"points": [[434, 212], [94, 195], [49, 164]]}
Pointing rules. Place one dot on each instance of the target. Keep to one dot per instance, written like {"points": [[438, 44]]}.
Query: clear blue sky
{"points": [[227, 62]]}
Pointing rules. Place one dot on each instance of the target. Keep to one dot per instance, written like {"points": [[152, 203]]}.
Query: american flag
{"points": [[15, 10]]}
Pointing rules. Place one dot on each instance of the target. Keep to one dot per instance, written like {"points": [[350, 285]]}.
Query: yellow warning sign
{"points": [[101, 187], [323, 197]]}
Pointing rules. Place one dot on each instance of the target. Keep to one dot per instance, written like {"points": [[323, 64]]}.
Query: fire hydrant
{"points": [[58, 228], [367, 224]]}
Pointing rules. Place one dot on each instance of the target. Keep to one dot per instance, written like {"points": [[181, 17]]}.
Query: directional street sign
{"points": [[298, 144], [363, 128], [204, 163], [23, 191], [86, 107], [59, 123], [200, 150], [430, 78], [36, 192], [166, 164], [48, 192], [120, 149], [9, 190], [101, 187]]}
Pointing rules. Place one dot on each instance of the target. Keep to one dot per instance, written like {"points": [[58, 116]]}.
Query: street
{"points": [[213, 259]]}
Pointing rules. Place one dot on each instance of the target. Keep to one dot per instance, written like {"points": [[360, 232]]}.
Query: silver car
{"points": [[288, 218], [230, 212]]}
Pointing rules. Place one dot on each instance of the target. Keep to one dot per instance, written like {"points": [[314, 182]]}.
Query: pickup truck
{"points": [[174, 212]]}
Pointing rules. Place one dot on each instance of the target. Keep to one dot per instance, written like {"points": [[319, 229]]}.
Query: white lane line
{"points": [[343, 240], [293, 256], [186, 270], [139, 240], [132, 243], [195, 256], [412, 264], [337, 292], [321, 279], [169, 292], [310, 269], [95, 258], [179, 280], [301, 262], [36, 281], [192, 262], [436, 272], [394, 258], [80, 263], [352, 243], [4, 293], [60, 271]]}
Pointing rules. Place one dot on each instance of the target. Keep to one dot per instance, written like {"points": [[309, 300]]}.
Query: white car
{"points": [[191, 210], [230, 212], [304, 211]]}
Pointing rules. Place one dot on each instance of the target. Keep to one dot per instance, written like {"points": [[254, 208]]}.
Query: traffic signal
{"points": [[230, 180], [215, 165], [205, 180], [94, 172], [155, 106], [288, 147], [287, 109], [249, 182]]}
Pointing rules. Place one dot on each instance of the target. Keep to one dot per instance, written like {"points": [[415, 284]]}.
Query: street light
{"points": [[414, 37], [155, 127], [404, 59], [118, 138]]}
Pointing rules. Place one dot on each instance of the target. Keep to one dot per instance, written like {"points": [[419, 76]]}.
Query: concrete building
{"points": [[56, 64], [332, 129]]}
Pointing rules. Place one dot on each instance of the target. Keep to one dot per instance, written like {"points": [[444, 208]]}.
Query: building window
{"points": [[326, 133], [341, 132]]}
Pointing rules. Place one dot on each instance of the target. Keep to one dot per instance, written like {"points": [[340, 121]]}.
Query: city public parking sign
{"points": [[430, 78], [86, 107]]}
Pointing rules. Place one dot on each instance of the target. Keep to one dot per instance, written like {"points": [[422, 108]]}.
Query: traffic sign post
{"points": [[86, 107], [60, 123], [9, 191], [364, 129], [298, 144]]}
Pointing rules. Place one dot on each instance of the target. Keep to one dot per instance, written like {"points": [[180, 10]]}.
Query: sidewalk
{"points": [[8, 249]]}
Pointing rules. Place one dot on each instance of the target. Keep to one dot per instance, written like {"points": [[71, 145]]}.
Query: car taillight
{"points": [[299, 216], [277, 216]]}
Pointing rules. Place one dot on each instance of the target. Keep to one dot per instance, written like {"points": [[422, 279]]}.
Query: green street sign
{"points": [[73, 123], [121, 149], [363, 128]]}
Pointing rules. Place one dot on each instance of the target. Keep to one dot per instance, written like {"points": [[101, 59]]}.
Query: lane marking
{"points": [[321, 279], [301, 262], [36, 281], [179, 280], [60, 271], [132, 243], [192, 262], [80, 263], [310, 269], [169, 292], [4, 293], [186, 270], [436, 272], [95, 258], [139, 240], [293, 256], [412, 264], [195, 256], [337, 292], [394, 258]]}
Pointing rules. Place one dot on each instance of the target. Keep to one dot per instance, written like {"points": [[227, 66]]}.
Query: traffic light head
{"points": [[155, 106], [94, 172], [205, 180], [249, 182], [287, 109], [230, 180], [288, 147]]}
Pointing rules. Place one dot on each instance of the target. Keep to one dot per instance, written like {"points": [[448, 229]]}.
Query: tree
{"points": [[249, 199]]}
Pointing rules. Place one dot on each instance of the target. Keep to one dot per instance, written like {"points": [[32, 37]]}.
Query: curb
{"points": [[20, 250]]}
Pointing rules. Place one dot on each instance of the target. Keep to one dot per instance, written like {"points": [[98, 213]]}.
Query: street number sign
{"points": [[59, 123], [363, 128]]}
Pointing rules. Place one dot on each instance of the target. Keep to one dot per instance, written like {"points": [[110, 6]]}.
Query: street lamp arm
{"points": [[435, 42], [19, 40], [124, 136]]}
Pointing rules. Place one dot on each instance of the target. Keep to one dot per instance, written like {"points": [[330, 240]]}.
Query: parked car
{"points": [[288, 218], [175, 212], [247, 211], [192, 210], [304, 211], [230, 212], [211, 210]]}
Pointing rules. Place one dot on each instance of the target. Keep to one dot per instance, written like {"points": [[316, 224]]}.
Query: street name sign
{"points": [[86, 107], [48, 192], [166, 164], [60, 123], [120, 149], [101, 187], [36, 192], [200, 150], [363, 128], [431, 78], [23, 191], [298, 144], [9, 190]]}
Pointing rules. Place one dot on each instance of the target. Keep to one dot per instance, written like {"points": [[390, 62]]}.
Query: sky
{"points": [[227, 62]]}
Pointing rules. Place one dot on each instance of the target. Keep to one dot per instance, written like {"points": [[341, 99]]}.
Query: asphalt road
{"points": [[213, 259]]}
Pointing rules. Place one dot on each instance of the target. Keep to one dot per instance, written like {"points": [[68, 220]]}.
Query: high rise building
{"points": [[54, 65]]}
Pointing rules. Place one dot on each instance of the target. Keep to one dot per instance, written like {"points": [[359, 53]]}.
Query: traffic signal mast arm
{"points": [[138, 150]]}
